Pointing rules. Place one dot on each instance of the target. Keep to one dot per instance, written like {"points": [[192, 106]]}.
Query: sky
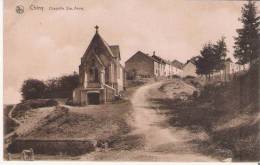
{"points": [[46, 43]]}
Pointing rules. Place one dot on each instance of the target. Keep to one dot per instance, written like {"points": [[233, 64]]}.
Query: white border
{"points": [[1, 82], [69, 162]]}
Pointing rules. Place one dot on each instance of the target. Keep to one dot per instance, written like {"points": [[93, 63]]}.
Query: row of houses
{"points": [[144, 65], [147, 66]]}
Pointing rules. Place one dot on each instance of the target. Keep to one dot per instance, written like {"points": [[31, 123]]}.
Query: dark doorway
{"points": [[93, 98]]}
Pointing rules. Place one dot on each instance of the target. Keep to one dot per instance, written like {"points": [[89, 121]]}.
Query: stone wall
{"points": [[53, 147]]}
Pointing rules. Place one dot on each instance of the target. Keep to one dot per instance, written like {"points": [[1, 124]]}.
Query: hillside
{"points": [[228, 113], [9, 125]]}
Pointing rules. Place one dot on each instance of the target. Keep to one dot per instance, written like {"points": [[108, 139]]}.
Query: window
{"points": [[96, 78], [118, 71], [94, 75], [106, 74]]}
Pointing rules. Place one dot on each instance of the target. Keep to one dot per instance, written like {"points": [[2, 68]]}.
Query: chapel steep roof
{"points": [[99, 45]]}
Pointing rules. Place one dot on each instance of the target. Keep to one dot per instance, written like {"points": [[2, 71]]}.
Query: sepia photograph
{"points": [[131, 81]]}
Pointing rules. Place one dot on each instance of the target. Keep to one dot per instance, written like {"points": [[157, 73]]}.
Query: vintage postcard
{"points": [[132, 80]]}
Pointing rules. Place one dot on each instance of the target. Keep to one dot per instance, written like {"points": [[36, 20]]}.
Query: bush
{"points": [[60, 87], [176, 76], [21, 108], [32, 89], [189, 77], [42, 103], [207, 91], [69, 102], [195, 94], [135, 83]]}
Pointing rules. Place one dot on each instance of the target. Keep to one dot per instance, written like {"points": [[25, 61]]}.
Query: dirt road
{"points": [[162, 142]]}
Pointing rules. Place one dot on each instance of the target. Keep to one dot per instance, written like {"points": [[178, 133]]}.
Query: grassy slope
{"points": [[9, 125], [21, 108], [228, 114], [107, 122], [85, 122]]}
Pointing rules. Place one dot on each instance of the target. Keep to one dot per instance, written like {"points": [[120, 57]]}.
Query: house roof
{"points": [[154, 59], [159, 59], [177, 64], [143, 54]]}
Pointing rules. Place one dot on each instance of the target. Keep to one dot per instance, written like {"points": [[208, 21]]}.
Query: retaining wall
{"points": [[53, 147]]}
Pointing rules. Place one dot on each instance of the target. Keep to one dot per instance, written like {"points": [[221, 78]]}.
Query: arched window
{"points": [[94, 74], [107, 74], [96, 78]]}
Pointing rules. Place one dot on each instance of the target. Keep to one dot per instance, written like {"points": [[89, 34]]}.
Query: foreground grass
{"points": [[105, 123], [99, 121]]}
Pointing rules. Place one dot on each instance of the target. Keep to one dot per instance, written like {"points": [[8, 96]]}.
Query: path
{"points": [[162, 142]]}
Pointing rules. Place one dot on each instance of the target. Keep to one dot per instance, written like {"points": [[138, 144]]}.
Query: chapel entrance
{"points": [[93, 98]]}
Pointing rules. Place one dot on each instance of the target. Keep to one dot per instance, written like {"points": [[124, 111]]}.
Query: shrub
{"points": [[61, 87], [135, 83], [32, 89], [195, 94], [176, 76], [189, 77], [71, 103], [21, 108], [42, 103]]}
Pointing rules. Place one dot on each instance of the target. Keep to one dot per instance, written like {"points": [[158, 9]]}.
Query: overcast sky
{"points": [[43, 44]]}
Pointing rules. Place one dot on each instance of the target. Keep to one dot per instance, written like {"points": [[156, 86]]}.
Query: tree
{"points": [[248, 40], [205, 63], [62, 87], [52, 88], [211, 58], [220, 49], [68, 83], [32, 89]]}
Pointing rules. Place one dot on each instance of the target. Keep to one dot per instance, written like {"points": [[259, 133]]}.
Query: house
{"points": [[100, 72], [141, 65], [189, 69], [168, 68], [177, 67], [145, 66], [162, 65]]}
